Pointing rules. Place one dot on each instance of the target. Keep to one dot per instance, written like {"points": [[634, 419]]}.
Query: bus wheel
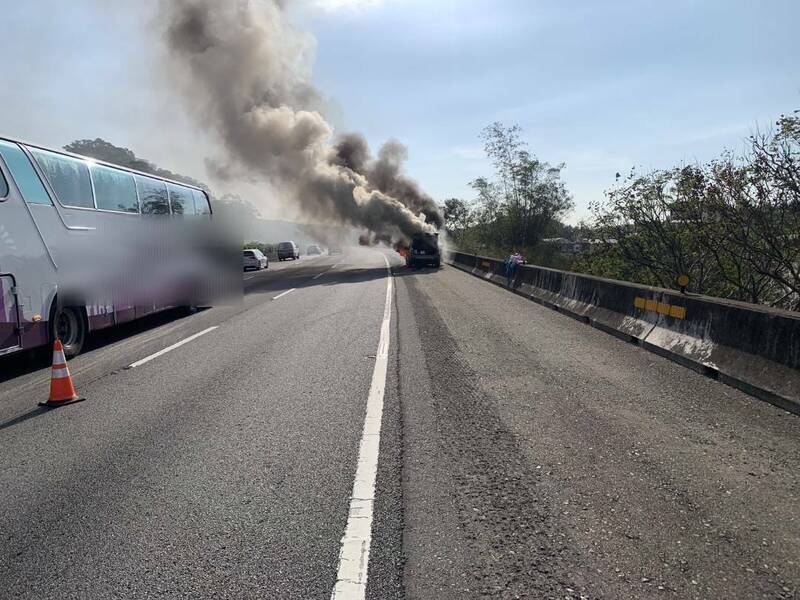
{"points": [[69, 326]]}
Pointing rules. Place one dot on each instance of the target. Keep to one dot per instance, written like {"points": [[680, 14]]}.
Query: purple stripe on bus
{"points": [[123, 315], [34, 334], [100, 321], [4, 316], [8, 335]]}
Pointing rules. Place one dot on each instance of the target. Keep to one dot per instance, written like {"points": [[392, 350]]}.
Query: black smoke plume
{"points": [[244, 71], [386, 173]]}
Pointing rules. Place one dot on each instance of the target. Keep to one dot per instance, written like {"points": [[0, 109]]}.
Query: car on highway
{"points": [[253, 258], [313, 250], [287, 250], [424, 251]]}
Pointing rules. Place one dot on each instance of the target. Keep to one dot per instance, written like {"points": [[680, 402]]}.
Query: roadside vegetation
{"points": [[268, 250], [732, 224]]}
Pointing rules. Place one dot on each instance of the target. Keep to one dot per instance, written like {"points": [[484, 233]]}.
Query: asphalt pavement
{"points": [[522, 454]]}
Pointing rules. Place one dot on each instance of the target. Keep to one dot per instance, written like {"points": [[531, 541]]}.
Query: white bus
{"points": [[81, 242]]}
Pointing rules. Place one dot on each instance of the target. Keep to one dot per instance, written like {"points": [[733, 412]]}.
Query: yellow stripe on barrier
{"points": [[662, 308], [679, 312]]}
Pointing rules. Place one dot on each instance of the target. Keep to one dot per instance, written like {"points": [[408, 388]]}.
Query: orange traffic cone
{"points": [[62, 392]]}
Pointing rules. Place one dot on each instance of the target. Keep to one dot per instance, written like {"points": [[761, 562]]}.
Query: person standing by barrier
{"points": [[512, 263]]}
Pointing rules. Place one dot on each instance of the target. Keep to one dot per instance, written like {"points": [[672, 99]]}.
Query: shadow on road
{"points": [[265, 282], [31, 414], [403, 271], [29, 361], [305, 277]]}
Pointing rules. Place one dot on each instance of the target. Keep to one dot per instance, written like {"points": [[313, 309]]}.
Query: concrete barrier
{"points": [[748, 346]]}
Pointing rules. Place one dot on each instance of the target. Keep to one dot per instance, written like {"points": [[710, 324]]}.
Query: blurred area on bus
{"points": [[166, 262]]}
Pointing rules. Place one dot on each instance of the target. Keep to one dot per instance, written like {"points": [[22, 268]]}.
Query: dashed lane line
{"points": [[318, 275], [147, 359], [284, 293]]}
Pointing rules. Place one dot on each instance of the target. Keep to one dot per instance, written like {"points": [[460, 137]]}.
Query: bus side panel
{"points": [[9, 327], [35, 334], [23, 253], [124, 313], [142, 310], [100, 316]]}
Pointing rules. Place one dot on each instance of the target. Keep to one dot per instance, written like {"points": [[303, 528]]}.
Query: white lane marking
{"points": [[317, 276], [284, 293], [249, 278], [351, 578], [147, 359]]}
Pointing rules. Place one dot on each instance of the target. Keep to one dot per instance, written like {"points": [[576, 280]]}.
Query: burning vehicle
{"points": [[423, 251]]}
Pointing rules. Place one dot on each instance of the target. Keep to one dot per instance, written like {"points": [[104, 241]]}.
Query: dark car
{"points": [[424, 251], [313, 250], [287, 250]]}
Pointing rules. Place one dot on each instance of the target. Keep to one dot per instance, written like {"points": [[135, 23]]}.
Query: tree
{"points": [[527, 194], [644, 221], [732, 225], [102, 150], [758, 201], [457, 215]]}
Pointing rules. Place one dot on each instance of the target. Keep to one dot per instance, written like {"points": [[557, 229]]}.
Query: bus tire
{"points": [[69, 324]]}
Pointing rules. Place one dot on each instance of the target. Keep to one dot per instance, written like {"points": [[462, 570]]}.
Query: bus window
{"points": [[201, 206], [153, 196], [69, 178], [28, 182], [180, 199], [3, 187], [114, 189]]}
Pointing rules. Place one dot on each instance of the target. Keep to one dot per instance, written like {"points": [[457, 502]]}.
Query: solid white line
{"points": [[284, 293], [318, 275], [249, 278], [351, 578], [147, 359]]}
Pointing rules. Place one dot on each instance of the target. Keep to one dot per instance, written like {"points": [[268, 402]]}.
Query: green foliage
{"points": [[732, 225], [457, 215], [107, 152], [267, 249], [516, 208]]}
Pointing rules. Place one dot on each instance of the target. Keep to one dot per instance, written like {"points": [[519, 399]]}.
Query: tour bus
{"points": [[85, 245]]}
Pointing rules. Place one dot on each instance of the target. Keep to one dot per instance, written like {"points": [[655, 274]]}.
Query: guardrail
{"points": [[751, 347]]}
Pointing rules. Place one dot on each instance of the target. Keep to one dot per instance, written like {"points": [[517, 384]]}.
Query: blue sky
{"points": [[601, 86]]}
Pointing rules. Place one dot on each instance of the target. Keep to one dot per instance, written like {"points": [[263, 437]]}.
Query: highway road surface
{"points": [[522, 454]]}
